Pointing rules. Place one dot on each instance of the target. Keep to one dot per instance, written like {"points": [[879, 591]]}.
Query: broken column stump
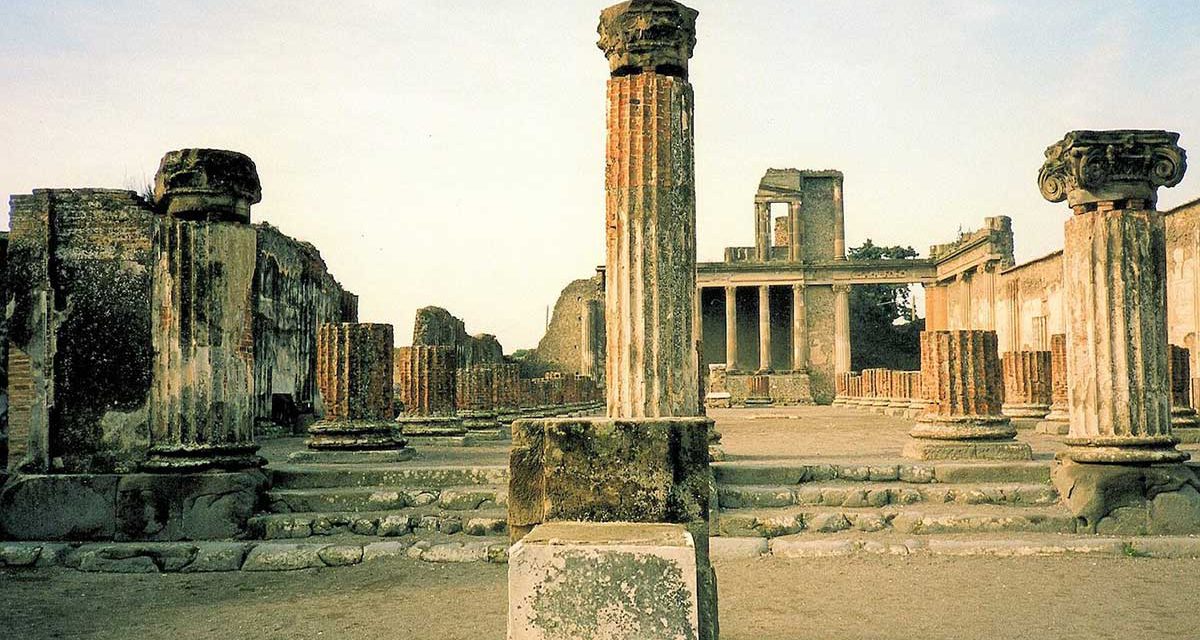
{"points": [[475, 399], [1120, 471], [1058, 421], [354, 374], [1026, 384], [961, 375], [1183, 415], [425, 386]]}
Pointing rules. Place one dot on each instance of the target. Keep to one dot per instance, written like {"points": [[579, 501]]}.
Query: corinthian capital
{"points": [[648, 36], [1086, 167]]}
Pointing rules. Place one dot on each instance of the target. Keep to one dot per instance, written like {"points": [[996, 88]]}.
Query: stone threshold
{"points": [[205, 557]]}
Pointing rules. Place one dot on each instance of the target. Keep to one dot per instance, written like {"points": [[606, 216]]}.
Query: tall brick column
{"points": [[425, 386], [201, 399], [1026, 384], [354, 374], [1183, 415], [1121, 468], [651, 219], [645, 466], [960, 375], [1058, 421], [475, 393]]}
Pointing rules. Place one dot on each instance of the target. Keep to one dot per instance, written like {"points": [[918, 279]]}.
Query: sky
{"points": [[451, 152]]}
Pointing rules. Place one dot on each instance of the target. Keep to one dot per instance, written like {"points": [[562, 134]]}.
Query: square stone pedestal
{"points": [[967, 450], [612, 580]]}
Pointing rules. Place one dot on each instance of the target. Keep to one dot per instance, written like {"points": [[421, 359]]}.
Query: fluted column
{"points": [[1058, 421], [426, 385], [201, 400], [1183, 415], [764, 328], [354, 374], [762, 231], [799, 329], [651, 245], [839, 222], [591, 338], [841, 328], [796, 232], [731, 337], [1026, 384], [961, 377], [475, 397]]}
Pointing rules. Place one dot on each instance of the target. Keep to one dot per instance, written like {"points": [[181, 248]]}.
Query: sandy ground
{"points": [[765, 599]]}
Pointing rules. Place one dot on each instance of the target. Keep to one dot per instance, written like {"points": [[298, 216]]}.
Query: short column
{"points": [[1026, 384], [731, 337], [1058, 421], [764, 329], [841, 328], [961, 372], [475, 397], [1183, 415], [799, 330], [426, 386]]}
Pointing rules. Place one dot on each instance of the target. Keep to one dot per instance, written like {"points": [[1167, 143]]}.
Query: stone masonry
{"points": [[962, 380], [425, 386], [1121, 469]]}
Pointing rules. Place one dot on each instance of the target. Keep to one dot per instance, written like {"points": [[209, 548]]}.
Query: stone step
{"points": [[927, 519], [316, 476], [758, 473], [384, 498], [880, 494], [420, 522]]}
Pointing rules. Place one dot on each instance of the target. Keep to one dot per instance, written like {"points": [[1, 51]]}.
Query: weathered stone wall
{"points": [[436, 326], [1183, 283], [294, 295], [820, 343], [822, 199], [80, 290], [559, 348], [1029, 304]]}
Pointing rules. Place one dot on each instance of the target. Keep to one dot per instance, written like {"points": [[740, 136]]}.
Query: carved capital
{"points": [[841, 288], [653, 36], [1087, 167], [207, 184]]}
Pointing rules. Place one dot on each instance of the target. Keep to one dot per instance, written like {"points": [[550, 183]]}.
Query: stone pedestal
{"points": [[425, 386], [1121, 467], [960, 373], [1026, 384], [717, 394], [354, 374], [1179, 366], [201, 398], [1058, 421]]}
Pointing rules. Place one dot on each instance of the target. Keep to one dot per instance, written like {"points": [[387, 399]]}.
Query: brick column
{"points": [[1183, 416], [917, 404], [475, 397], [1026, 384], [960, 373], [354, 373], [764, 329], [1058, 421], [426, 386], [201, 399], [1120, 470], [731, 339]]}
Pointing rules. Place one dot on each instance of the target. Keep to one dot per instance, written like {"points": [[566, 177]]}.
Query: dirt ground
{"points": [[883, 598]]}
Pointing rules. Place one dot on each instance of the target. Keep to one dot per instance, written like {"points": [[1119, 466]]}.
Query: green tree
{"points": [[884, 329]]}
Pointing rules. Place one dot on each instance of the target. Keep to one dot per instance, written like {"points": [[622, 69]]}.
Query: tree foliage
{"points": [[884, 329]]}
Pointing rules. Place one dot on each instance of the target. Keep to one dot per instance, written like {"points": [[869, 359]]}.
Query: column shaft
{"points": [[764, 328], [796, 235], [799, 329], [731, 337], [1026, 384], [841, 328], [839, 223]]}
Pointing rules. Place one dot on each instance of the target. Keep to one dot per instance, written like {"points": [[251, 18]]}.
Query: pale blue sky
{"points": [[451, 152]]}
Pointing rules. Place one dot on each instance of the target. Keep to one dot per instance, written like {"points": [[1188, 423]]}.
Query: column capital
{"points": [[841, 288], [799, 286], [655, 36], [1088, 167], [207, 184]]}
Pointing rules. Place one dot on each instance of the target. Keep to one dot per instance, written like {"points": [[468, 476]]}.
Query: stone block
{"points": [[599, 469], [59, 507], [967, 450], [604, 580], [218, 556], [1130, 500], [192, 506], [282, 557]]}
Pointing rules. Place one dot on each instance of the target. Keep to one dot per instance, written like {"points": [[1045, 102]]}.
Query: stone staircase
{"points": [[769, 501]]}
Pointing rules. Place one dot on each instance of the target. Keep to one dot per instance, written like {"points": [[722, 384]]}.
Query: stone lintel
{"points": [[1124, 166]]}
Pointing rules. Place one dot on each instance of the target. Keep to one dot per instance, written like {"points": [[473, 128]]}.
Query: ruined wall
{"points": [[436, 326], [294, 295], [1183, 276], [1029, 304], [821, 196], [559, 348], [80, 290], [819, 303]]}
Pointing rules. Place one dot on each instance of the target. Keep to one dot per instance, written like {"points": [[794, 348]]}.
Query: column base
{"points": [[1184, 418], [1123, 450], [965, 438], [1117, 499], [431, 426], [967, 450], [202, 457], [352, 456], [1024, 410], [355, 435], [935, 427], [479, 420]]}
